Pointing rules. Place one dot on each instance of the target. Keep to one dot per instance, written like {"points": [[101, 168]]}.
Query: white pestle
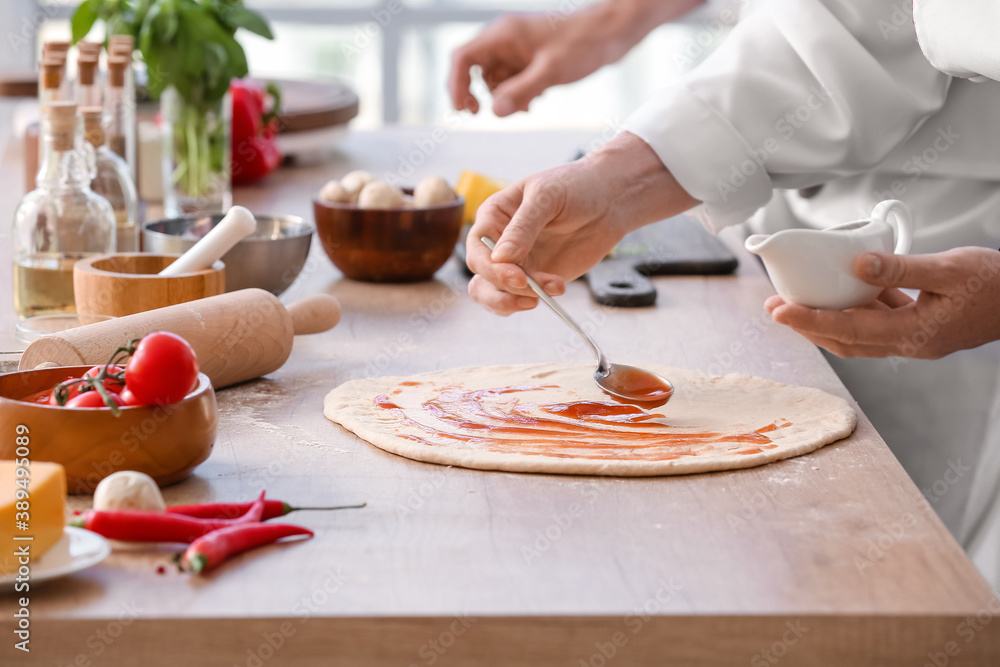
{"points": [[237, 225]]}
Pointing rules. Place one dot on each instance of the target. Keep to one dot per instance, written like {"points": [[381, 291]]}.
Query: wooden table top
{"points": [[830, 558]]}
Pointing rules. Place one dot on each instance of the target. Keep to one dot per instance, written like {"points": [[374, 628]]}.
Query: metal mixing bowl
{"points": [[271, 258]]}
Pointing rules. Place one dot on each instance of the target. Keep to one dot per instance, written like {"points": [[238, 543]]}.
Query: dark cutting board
{"points": [[675, 246]]}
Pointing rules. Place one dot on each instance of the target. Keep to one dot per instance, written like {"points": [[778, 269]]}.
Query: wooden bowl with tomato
{"points": [[165, 426]]}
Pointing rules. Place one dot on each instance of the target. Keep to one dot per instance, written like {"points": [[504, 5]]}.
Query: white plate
{"points": [[76, 550]]}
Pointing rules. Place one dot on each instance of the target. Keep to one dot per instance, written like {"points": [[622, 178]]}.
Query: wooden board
{"points": [[508, 569], [678, 246], [19, 83], [313, 105]]}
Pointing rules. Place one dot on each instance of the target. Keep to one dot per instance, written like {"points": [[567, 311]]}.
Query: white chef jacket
{"points": [[838, 93], [959, 38], [808, 92]]}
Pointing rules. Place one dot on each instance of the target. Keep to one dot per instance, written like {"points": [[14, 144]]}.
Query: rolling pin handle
{"points": [[314, 314]]}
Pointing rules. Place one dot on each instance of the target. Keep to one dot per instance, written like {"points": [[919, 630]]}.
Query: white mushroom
{"points": [[433, 191], [128, 490], [379, 194], [333, 191], [355, 181]]}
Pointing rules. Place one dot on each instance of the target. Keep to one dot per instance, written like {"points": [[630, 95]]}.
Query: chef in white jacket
{"points": [[809, 113], [962, 284]]}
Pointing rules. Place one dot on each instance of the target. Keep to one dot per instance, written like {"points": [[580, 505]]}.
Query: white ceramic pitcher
{"points": [[815, 267]]}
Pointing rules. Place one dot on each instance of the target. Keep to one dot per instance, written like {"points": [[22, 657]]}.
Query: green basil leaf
{"points": [[83, 19], [241, 17]]}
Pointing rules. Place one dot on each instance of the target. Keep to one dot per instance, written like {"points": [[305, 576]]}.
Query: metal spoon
{"points": [[626, 384]]}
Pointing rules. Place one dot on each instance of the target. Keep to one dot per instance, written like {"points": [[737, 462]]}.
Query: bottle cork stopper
{"points": [[121, 39], [51, 73], [55, 46], [89, 47], [87, 68], [121, 45], [93, 125], [116, 71], [61, 117]]}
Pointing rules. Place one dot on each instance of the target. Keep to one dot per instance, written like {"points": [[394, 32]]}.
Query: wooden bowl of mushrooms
{"points": [[376, 232]]}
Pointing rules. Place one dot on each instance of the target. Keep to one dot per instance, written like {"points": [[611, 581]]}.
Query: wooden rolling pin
{"points": [[237, 336]]}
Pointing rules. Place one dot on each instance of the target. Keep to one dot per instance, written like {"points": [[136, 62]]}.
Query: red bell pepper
{"points": [[255, 152]]}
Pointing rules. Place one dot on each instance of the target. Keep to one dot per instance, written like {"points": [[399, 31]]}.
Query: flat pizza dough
{"points": [[549, 418]]}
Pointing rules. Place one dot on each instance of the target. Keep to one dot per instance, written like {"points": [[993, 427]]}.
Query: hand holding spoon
{"points": [[626, 384]]}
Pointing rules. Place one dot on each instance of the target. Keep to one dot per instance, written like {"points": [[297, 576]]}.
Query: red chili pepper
{"points": [[139, 526], [272, 509], [255, 513], [210, 550], [255, 153]]}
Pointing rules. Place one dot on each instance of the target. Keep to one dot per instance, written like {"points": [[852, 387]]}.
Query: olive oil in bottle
{"points": [[43, 285], [61, 221]]}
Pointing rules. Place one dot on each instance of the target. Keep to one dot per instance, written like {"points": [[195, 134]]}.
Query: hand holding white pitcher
{"points": [[815, 268], [958, 307]]}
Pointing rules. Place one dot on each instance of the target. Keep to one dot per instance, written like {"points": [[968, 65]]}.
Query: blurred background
{"points": [[396, 55]]}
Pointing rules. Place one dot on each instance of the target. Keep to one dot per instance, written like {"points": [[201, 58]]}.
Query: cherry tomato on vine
{"points": [[92, 399], [128, 398], [111, 384], [163, 369], [75, 389]]}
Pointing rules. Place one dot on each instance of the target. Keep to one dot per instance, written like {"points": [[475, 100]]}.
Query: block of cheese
{"points": [[46, 511]]}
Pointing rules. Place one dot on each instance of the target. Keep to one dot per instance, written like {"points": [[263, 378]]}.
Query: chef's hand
{"points": [[559, 223], [523, 54], [958, 307]]}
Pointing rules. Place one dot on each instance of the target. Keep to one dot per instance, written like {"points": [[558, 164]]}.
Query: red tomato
{"points": [[111, 384], [162, 370], [91, 399], [128, 398], [74, 390], [41, 397]]}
